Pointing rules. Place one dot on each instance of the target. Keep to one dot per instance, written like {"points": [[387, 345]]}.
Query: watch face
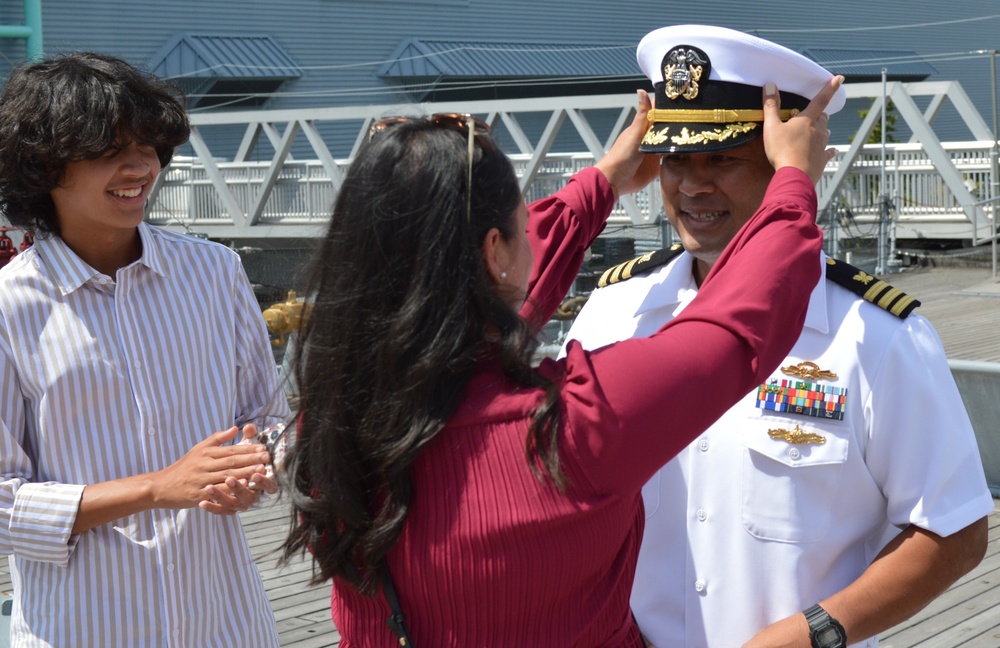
{"points": [[828, 636]]}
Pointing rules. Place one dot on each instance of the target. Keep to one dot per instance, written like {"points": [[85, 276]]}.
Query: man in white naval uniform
{"points": [[847, 491]]}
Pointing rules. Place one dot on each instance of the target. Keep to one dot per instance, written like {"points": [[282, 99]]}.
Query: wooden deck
{"points": [[965, 615], [964, 306]]}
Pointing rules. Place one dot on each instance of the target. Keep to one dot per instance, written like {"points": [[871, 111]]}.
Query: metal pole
{"points": [[880, 264], [33, 19], [994, 171], [30, 31]]}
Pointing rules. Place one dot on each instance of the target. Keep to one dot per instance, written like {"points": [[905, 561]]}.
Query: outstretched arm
{"points": [[562, 226]]}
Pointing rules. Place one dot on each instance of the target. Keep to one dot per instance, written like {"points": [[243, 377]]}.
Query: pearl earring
{"points": [[503, 275]]}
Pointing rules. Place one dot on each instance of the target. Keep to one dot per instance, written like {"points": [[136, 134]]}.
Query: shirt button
{"points": [[794, 453], [136, 364], [177, 632], [699, 585], [152, 431], [170, 567], [702, 515], [703, 445]]}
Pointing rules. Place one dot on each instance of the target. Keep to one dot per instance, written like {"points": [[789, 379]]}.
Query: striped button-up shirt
{"points": [[106, 377]]}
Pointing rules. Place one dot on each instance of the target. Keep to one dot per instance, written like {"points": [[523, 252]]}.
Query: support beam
{"points": [[215, 175], [283, 148]]}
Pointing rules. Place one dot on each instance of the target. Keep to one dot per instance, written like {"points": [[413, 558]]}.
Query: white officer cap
{"points": [[708, 86]]}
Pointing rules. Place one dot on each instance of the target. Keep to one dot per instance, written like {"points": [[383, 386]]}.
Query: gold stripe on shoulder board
{"points": [[638, 265], [870, 288]]}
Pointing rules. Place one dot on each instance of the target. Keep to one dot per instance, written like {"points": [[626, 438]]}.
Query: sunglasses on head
{"points": [[461, 123]]}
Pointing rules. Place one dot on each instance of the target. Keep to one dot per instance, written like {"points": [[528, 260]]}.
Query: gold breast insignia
{"points": [[798, 436], [808, 370]]}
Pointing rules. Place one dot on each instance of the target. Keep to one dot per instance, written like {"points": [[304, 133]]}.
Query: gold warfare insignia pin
{"points": [[796, 436], [808, 370]]}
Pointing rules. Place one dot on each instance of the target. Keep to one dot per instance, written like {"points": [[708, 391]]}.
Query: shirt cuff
{"points": [[41, 525]]}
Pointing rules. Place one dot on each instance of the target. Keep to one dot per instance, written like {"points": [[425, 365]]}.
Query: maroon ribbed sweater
{"points": [[490, 555]]}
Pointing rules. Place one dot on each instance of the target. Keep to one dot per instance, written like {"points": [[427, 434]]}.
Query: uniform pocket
{"points": [[789, 488]]}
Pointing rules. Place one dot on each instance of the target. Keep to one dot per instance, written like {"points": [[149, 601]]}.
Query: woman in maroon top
{"points": [[503, 498]]}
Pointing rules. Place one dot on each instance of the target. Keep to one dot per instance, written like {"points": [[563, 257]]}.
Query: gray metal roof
{"points": [[206, 56], [436, 59], [861, 64]]}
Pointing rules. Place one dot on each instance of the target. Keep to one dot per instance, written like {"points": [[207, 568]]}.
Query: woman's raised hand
{"points": [[800, 142]]}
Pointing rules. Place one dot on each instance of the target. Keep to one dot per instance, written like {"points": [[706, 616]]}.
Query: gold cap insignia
{"points": [[682, 70]]}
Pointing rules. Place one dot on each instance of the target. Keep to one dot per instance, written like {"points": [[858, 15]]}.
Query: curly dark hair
{"points": [[71, 108], [404, 312]]}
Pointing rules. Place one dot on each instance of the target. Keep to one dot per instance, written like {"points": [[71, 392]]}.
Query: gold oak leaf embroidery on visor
{"points": [[654, 137], [687, 138]]}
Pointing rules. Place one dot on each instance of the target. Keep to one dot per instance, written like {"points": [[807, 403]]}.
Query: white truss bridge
{"points": [[935, 190]]}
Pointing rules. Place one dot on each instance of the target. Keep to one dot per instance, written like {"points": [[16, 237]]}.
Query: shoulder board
{"points": [[870, 288], [639, 265]]}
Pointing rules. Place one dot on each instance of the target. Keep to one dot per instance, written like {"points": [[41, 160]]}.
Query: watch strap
{"points": [[819, 619]]}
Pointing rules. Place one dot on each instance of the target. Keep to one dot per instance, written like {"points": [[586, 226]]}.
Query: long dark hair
{"points": [[76, 107], [404, 310]]}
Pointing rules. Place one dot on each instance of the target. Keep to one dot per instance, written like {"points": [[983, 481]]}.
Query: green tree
{"points": [[890, 124]]}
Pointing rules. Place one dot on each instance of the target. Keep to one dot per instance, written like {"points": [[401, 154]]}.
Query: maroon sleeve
{"points": [[631, 406], [560, 229]]}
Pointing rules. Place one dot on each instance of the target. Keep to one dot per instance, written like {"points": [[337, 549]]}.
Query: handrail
{"points": [[30, 31], [301, 193], [979, 384], [933, 184], [993, 237]]}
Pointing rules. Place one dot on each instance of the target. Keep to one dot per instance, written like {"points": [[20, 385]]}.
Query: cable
{"points": [[818, 30]]}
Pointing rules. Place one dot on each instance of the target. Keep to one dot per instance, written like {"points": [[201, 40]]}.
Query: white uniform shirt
{"points": [[106, 377], [744, 529]]}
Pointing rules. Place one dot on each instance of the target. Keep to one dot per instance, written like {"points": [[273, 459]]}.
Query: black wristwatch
{"points": [[824, 630]]}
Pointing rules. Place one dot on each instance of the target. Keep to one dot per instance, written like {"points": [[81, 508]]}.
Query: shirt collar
{"points": [[674, 284], [70, 271], [816, 316], [670, 285]]}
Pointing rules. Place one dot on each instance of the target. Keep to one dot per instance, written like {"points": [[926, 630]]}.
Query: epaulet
{"points": [[638, 265], [870, 288]]}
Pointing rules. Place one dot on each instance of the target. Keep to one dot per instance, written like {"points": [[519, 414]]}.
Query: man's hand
{"points": [[199, 476]]}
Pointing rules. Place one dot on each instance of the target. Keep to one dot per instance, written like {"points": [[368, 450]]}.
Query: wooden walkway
{"points": [[964, 306]]}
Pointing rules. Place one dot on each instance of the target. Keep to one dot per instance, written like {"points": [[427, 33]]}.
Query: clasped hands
{"points": [[218, 476]]}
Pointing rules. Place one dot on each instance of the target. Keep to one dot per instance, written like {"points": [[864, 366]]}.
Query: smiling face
{"points": [[104, 199], [709, 196]]}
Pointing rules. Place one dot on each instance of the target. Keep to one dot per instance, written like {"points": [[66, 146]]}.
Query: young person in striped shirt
{"points": [[129, 358]]}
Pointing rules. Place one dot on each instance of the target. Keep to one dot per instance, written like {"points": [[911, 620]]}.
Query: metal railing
{"points": [[302, 193], [938, 190], [979, 384]]}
